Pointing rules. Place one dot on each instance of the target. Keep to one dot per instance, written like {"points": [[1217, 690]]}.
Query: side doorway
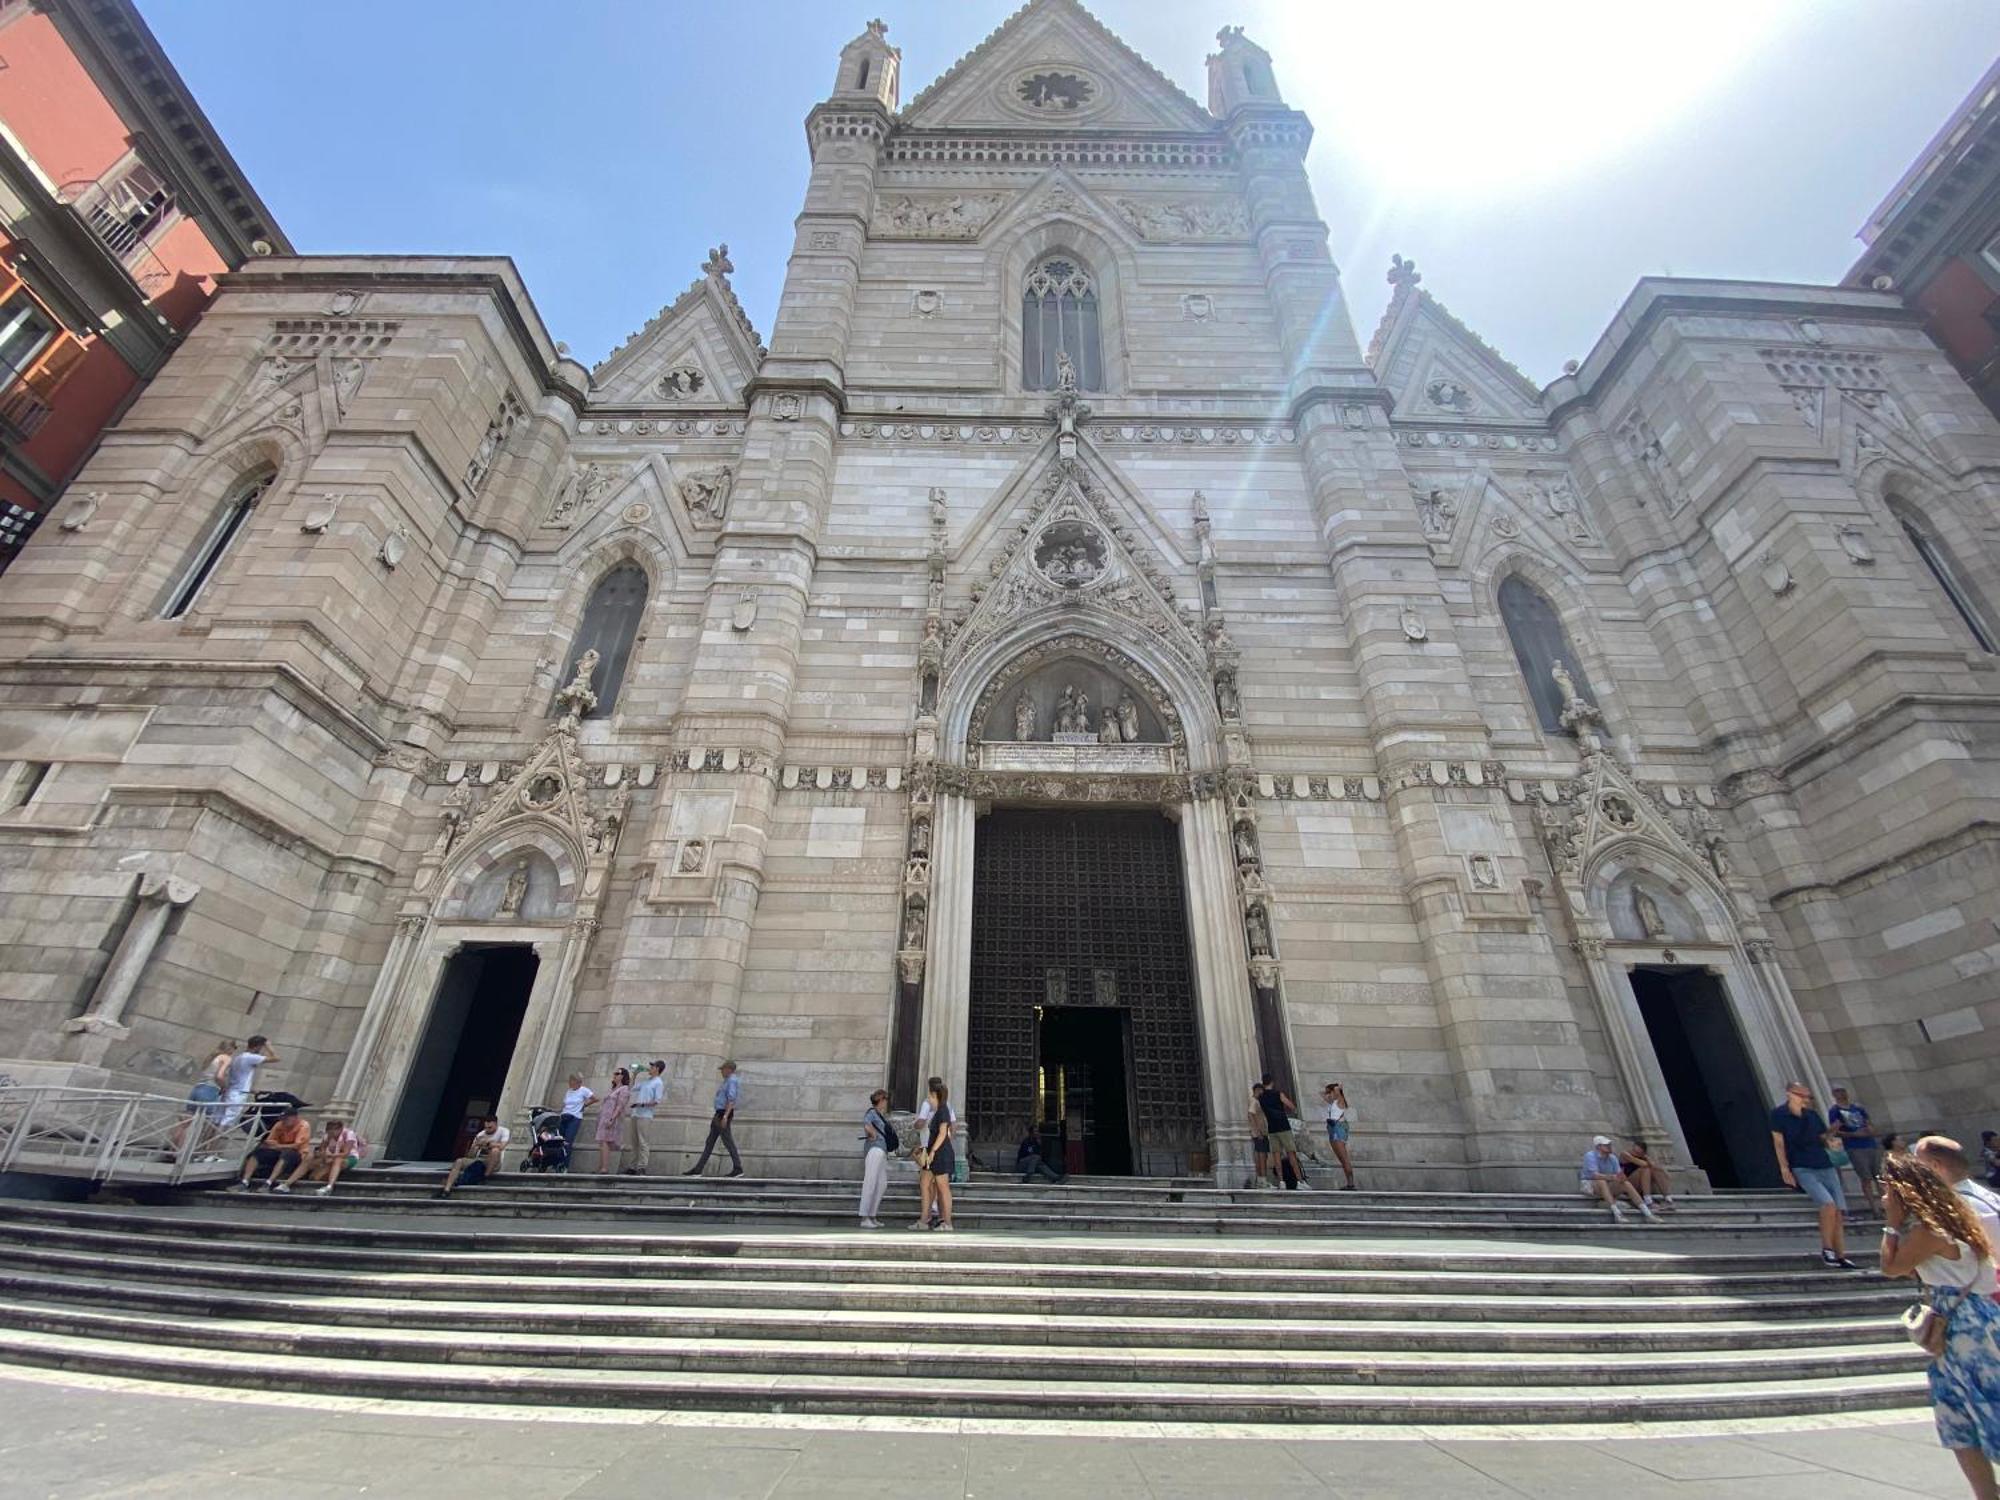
{"points": [[1724, 1114], [468, 1042]]}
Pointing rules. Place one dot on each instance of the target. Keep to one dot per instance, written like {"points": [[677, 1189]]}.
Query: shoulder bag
{"points": [[1926, 1327]]}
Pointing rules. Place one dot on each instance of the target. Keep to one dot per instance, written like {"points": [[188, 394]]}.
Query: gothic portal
{"points": [[1064, 660]]}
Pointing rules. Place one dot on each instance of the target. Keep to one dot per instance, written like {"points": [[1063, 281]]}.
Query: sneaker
{"points": [[943, 1228], [321, 1192], [1828, 1259], [1646, 1211], [737, 1173], [1845, 1264], [206, 1160], [921, 1224], [281, 1187], [692, 1172], [239, 1187], [1617, 1214]]}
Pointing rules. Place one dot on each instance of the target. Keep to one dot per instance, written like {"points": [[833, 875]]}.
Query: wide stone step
{"points": [[248, 1222], [1287, 1400], [549, 1280], [743, 1326], [896, 1360]]}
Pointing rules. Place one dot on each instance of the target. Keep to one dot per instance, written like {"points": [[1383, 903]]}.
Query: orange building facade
{"points": [[119, 208]]}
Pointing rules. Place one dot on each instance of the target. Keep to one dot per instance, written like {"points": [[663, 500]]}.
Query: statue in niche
{"points": [[1226, 697], [577, 699], [1024, 717], [1258, 927], [1708, 834], [913, 924], [604, 831], [1435, 510], [1128, 718], [1071, 565], [1578, 711], [1651, 922], [1073, 711], [1065, 373], [1107, 727], [516, 891], [451, 817], [1563, 505], [1246, 845]]}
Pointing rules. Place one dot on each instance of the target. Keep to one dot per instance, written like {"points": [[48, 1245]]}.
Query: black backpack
{"points": [[890, 1143]]}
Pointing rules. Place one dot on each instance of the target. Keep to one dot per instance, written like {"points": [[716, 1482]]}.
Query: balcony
{"points": [[125, 209], [22, 412]]}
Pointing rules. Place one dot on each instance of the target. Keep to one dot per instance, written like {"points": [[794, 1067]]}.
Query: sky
{"points": [[1534, 159]]}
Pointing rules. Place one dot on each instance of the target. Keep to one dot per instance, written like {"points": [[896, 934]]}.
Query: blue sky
{"points": [[1535, 160]]}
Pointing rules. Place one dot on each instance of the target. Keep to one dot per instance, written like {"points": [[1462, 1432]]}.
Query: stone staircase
{"points": [[1090, 1300]]}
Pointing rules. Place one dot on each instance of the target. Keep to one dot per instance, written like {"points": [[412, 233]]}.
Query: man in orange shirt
{"points": [[281, 1151]]}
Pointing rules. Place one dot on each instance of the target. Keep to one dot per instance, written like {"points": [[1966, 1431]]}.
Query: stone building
{"points": [[1065, 660]]}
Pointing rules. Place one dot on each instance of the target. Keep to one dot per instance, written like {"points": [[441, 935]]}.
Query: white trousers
{"points": [[874, 1180]]}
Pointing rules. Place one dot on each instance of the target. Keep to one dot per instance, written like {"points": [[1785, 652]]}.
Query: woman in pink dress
{"points": [[611, 1120]]}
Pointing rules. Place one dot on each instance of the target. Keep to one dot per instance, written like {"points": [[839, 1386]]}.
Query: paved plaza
{"points": [[71, 1438]]}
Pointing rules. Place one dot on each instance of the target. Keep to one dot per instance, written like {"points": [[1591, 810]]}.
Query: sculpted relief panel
{"points": [[934, 216]]}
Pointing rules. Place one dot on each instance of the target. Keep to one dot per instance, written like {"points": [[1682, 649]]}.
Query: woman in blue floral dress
{"points": [[1932, 1234]]}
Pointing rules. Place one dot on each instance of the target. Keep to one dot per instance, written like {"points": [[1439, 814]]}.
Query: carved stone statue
{"points": [[1435, 510], [1257, 927], [1708, 835], [1128, 718], [1107, 727], [1024, 717], [1226, 697], [451, 817], [1065, 373], [1073, 711], [1578, 712], [577, 699], [1246, 845], [706, 493], [913, 925], [516, 891], [604, 831], [1651, 923]]}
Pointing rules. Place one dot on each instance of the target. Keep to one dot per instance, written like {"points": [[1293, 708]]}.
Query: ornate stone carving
{"points": [[1024, 718], [506, 417], [516, 890], [1070, 554], [1559, 499], [578, 699], [1184, 219], [81, 511], [1644, 445], [1073, 711], [451, 818], [929, 216], [693, 857], [1448, 394], [681, 382], [1854, 542], [1055, 91], [1485, 871], [1579, 714], [320, 516], [705, 492], [347, 376], [1652, 923], [1436, 511], [787, 407], [927, 302], [1197, 307], [1775, 572], [1414, 628], [1257, 928]]}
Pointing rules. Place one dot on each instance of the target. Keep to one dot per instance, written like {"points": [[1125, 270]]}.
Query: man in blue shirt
{"points": [[1603, 1177], [1798, 1135], [726, 1094], [1857, 1135]]}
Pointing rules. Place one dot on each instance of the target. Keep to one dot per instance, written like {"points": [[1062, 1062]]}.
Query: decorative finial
{"points": [[1403, 273], [718, 262], [1229, 34], [1570, 367], [878, 28]]}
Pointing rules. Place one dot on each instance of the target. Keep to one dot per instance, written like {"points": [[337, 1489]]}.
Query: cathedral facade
{"points": [[1064, 661]]}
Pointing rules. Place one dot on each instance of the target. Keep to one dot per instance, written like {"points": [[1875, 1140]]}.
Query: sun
{"points": [[1481, 99]]}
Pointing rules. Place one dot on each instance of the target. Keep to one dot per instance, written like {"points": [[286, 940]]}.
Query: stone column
{"points": [[1224, 1015], [104, 1023], [529, 1074], [358, 1074], [947, 1015]]}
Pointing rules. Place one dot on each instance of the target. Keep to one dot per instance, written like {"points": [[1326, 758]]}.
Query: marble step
{"points": [[551, 1278], [1287, 1399], [898, 1360], [555, 1319]]}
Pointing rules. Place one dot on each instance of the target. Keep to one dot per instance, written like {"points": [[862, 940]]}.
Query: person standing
{"points": [[1260, 1144], [935, 1181], [1798, 1136], [1989, 1156], [1850, 1121], [1278, 1111], [726, 1095], [1947, 1158], [1337, 1127], [579, 1098], [611, 1120], [927, 1209], [646, 1097], [240, 1078], [878, 1139], [1931, 1233], [204, 1102]]}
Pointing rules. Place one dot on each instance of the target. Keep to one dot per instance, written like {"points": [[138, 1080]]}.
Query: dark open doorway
{"points": [[468, 1043], [1723, 1113], [1084, 1094]]}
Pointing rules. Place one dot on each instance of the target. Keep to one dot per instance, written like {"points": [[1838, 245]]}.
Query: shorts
{"points": [[1261, 1144], [1281, 1142], [1866, 1161], [1336, 1130], [205, 1099], [942, 1161], [279, 1158], [1822, 1185]]}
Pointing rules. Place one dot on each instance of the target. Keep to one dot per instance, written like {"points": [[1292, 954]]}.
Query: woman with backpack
{"points": [[878, 1141]]}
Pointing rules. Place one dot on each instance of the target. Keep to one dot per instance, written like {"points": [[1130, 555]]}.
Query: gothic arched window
{"points": [[1059, 312], [207, 555], [610, 625], [1539, 643], [1938, 559]]}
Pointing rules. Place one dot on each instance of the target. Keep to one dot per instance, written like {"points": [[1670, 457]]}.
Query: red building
{"points": [[1935, 240], [119, 207]]}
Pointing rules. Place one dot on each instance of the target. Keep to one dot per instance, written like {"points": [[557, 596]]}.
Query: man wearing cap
{"points": [[1798, 1136], [1603, 1178], [646, 1097]]}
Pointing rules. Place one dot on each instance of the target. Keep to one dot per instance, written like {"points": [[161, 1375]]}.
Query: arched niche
{"points": [[480, 886], [1684, 900], [1030, 693], [1641, 907]]}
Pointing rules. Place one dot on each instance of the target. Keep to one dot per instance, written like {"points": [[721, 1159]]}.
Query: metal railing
{"points": [[22, 410], [109, 1135]]}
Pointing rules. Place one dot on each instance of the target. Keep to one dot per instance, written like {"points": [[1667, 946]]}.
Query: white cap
{"points": [[1600, 1140]]}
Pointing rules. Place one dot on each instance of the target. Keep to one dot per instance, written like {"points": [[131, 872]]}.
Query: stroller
{"points": [[548, 1151], [264, 1110]]}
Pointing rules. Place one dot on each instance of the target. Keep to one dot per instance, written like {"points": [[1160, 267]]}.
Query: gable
{"points": [[698, 351], [1440, 371], [1054, 66]]}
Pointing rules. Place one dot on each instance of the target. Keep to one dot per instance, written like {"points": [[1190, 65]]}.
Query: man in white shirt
{"points": [[239, 1079], [646, 1099], [1947, 1158], [482, 1157]]}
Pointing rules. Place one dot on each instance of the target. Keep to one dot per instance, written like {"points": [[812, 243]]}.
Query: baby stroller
{"points": [[264, 1110], [548, 1151]]}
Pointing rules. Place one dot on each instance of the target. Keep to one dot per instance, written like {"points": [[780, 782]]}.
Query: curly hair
{"points": [[1935, 1204]]}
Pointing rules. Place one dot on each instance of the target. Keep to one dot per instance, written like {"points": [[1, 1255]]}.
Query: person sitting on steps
{"points": [[1030, 1163], [726, 1095], [1603, 1177], [335, 1150], [482, 1158], [1654, 1185], [281, 1150]]}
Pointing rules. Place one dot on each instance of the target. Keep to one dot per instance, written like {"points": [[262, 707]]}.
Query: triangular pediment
{"points": [[1054, 66], [549, 788], [1065, 549], [1441, 371], [699, 351]]}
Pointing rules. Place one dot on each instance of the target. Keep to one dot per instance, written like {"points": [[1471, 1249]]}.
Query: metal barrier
{"points": [[109, 1135]]}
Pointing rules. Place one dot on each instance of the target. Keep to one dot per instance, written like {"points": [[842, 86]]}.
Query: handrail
{"points": [[102, 1134]]}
